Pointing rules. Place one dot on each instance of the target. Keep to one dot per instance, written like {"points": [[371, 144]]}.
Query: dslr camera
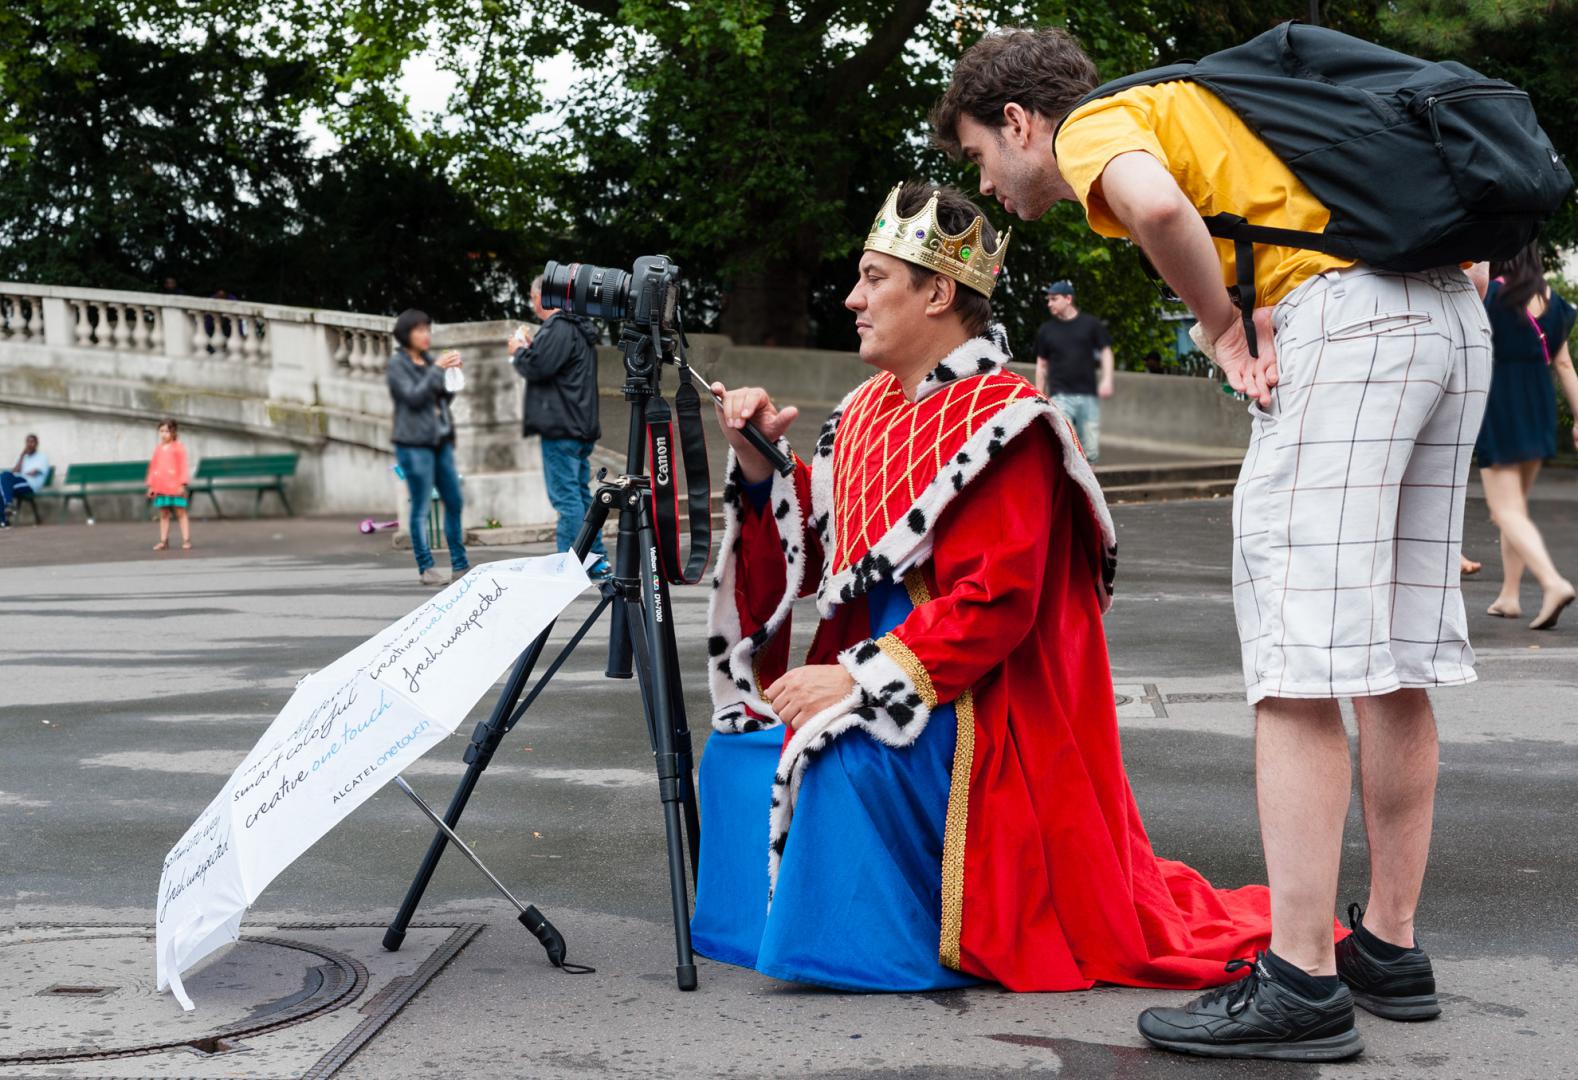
{"points": [[647, 296]]}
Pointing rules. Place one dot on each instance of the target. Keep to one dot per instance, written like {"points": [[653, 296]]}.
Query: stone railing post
{"points": [[177, 332], [301, 358], [60, 323]]}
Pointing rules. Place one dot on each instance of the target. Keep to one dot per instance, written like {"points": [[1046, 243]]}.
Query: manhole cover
{"points": [[257, 985], [83, 995]]}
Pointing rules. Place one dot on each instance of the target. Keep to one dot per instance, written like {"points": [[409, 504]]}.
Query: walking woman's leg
{"points": [[1509, 602], [1504, 491], [417, 464], [186, 527], [1510, 599], [447, 480], [1552, 603], [1499, 492], [164, 529]]}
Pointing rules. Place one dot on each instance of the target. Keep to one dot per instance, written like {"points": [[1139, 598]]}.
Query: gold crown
{"points": [[920, 240]]}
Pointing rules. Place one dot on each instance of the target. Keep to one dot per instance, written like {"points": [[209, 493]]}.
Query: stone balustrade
{"points": [[21, 316], [93, 370], [360, 345]]}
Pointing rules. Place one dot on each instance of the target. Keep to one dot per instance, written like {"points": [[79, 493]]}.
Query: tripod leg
{"points": [[653, 624], [683, 749]]}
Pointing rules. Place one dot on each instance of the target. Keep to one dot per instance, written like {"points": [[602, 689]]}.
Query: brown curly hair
{"points": [[1045, 71]]}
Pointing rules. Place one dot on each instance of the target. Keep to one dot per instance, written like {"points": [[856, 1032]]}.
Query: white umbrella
{"points": [[344, 733]]}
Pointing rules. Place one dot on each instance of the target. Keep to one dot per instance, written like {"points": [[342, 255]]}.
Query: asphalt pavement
{"points": [[134, 681]]}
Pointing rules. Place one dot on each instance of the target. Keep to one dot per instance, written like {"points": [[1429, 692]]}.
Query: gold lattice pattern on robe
{"points": [[889, 448]]}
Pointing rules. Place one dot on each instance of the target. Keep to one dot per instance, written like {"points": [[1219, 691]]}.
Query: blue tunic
{"points": [[859, 898]]}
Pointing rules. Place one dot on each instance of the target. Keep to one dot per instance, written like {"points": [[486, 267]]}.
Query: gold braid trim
{"points": [[953, 832], [957, 820], [901, 655], [756, 672]]}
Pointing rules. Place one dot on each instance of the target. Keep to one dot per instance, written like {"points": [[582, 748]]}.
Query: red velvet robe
{"points": [[1049, 880]]}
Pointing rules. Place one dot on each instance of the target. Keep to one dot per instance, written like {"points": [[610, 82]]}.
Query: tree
{"points": [[753, 142], [750, 140], [154, 139], [129, 159]]}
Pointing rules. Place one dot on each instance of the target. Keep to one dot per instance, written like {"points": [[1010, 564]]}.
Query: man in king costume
{"points": [[937, 796]]}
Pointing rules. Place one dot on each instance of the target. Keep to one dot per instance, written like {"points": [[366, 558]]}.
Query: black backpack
{"points": [[1421, 164]]}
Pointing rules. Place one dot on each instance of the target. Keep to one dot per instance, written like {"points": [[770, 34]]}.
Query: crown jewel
{"points": [[921, 240]]}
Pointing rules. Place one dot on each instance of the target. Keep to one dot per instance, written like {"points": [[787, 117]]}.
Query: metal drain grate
{"points": [[301, 973]]}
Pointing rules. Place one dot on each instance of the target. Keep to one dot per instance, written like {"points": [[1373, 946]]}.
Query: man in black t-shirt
{"points": [[1070, 347]]}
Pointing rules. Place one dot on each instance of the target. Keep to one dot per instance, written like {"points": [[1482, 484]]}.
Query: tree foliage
{"points": [[750, 140]]}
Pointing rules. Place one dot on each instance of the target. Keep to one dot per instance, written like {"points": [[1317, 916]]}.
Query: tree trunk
{"points": [[767, 304]]}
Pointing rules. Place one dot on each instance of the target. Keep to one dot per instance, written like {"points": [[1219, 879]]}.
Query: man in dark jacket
{"points": [[559, 365]]}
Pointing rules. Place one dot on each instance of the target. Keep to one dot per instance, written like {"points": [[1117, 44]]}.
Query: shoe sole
{"points": [[1420, 1007], [1332, 1048]]}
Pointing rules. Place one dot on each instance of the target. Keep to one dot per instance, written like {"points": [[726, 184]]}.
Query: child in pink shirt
{"points": [[168, 476]]}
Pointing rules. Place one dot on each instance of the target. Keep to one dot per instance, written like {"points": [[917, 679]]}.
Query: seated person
{"points": [[28, 476], [945, 799]]}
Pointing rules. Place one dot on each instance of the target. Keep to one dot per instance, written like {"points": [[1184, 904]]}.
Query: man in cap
{"points": [[1074, 364]]}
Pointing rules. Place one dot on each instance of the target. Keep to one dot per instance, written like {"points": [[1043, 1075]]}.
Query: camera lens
{"points": [[597, 292]]}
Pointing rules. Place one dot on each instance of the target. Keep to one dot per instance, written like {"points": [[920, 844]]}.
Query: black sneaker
{"points": [[1257, 1017], [1400, 989]]}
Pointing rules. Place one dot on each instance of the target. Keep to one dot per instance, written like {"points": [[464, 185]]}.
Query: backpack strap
{"points": [[1244, 237], [1233, 227]]}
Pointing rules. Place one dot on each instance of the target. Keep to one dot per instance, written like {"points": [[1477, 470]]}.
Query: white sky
{"points": [[427, 88]]}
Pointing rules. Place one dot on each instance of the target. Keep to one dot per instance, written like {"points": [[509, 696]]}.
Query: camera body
{"points": [[647, 296]]}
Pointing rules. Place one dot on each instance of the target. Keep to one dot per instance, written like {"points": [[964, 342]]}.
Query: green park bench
{"points": [[260, 473], [97, 478], [28, 497]]}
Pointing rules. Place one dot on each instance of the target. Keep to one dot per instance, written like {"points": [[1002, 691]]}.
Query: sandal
{"points": [[186, 545], [1512, 612], [162, 545], [1467, 567]]}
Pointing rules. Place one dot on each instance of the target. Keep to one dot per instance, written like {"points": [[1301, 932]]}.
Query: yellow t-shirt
{"points": [[1220, 164]]}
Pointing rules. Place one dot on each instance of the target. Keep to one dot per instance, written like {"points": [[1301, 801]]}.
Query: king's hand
{"points": [[751, 405], [807, 691]]}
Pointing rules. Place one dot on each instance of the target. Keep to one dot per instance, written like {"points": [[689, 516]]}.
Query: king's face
{"points": [[888, 310]]}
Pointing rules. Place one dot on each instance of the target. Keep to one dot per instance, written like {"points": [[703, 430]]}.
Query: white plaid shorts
{"points": [[1348, 514]]}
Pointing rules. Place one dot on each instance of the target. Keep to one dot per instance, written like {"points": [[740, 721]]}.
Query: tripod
{"points": [[641, 627]]}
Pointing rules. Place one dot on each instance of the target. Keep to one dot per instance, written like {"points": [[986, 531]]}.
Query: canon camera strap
{"points": [[698, 484]]}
